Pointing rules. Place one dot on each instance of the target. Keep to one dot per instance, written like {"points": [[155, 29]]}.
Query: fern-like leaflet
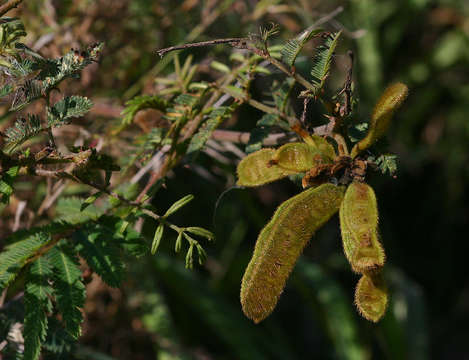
{"points": [[37, 306], [322, 61], [292, 48]]}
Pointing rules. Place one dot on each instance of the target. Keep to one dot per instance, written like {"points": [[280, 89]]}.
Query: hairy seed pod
{"points": [[359, 228], [324, 147], [388, 103], [297, 157], [257, 169], [371, 297], [280, 244]]}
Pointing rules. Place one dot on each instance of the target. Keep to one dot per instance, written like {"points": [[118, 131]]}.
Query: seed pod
{"points": [[359, 227], [324, 147], [257, 169], [388, 103], [298, 157], [280, 244], [371, 297]]}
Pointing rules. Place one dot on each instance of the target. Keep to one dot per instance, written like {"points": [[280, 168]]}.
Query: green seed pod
{"points": [[257, 169], [280, 244], [371, 297], [298, 157], [324, 147], [359, 227], [388, 103]]}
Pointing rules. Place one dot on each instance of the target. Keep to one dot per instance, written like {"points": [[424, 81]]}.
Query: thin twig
{"points": [[8, 6], [231, 41]]}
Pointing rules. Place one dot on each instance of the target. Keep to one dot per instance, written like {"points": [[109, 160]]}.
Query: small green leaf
{"points": [[177, 246], [66, 109], [220, 67], [90, 200], [178, 204], [201, 232], [202, 254], [189, 259], [157, 238]]}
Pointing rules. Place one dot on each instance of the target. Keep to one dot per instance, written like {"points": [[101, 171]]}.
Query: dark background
{"points": [[167, 312]]}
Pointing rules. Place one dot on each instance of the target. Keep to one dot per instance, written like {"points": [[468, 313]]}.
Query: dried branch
{"points": [[8, 6], [232, 41]]}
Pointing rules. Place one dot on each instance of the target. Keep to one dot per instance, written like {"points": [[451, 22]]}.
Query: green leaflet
{"points": [[256, 169], [292, 48], [298, 157], [23, 130], [359, 227], [37, 306], [371, 297], [280, 244], [15, 256], [322, 61], [388, 103], [70, 291], [69, 107]]}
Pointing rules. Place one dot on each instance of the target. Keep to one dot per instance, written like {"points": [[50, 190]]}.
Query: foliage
{"points": [[161, 310]]}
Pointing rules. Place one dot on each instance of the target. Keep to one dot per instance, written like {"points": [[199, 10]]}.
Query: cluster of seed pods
{"points": [[282, 240]]}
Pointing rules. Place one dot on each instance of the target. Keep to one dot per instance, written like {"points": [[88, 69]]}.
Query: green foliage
{"points": [[322, 61], [23, 130], [100, 248], [293, 47], [215, 118], [6, 183], [66, 109], [37, 306], [69, 288], [16, 255], [140, 103]]}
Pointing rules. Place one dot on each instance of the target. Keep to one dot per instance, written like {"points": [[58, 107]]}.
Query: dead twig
{"points": [[8, 6]]}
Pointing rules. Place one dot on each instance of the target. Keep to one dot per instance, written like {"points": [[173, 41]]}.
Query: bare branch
{"points": [[8, 6], [232, 41]]}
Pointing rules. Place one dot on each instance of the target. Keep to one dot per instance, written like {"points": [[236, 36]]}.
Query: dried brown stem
{"points": [[232, 41], [8, 6]]}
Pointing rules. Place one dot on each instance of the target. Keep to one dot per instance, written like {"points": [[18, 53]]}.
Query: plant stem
{"points": [[8, 6]]}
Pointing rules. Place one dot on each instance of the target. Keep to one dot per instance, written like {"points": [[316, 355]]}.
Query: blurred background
{"points": [[165, 311]]}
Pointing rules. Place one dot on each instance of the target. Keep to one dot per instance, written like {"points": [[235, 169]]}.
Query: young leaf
{"points": [[37, 305], [359, 227], [388, 103], [322, 61], [178, 204], [157, 238], [371, 297], [177, 246], [69, 107], [200, 231], [293, 47], [90, 200], [280, 244], [257, 169]]}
